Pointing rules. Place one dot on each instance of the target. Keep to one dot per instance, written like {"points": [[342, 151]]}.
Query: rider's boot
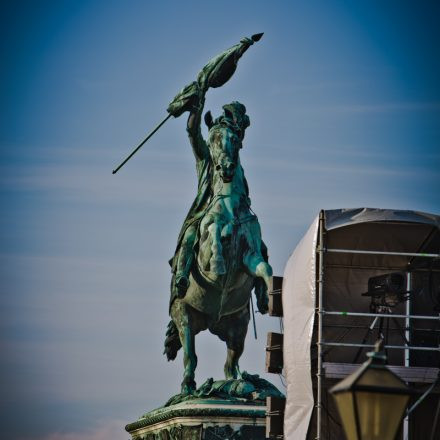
{"points": [[184, 262], [182, 275]]}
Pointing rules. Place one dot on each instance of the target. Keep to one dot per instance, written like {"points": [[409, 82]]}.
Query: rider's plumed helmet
{"points": [[234, 116]]}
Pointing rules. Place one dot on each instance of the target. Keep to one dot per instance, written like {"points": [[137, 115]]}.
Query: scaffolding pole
{"points": [[320, 318], [383, 315], [397, 254], [392, 347], [406, 352]]}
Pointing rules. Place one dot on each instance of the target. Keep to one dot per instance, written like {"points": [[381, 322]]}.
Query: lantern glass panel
{"points": [[379, 414], [380, 377], [345, 405]]}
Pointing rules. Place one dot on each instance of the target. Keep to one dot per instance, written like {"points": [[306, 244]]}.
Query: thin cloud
{"points": [[111, 429], [82, 183], [363, 108], [347, 167], [386, 107]]}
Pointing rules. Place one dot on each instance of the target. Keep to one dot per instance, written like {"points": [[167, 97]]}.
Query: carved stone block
{"points": [[202, 419]]}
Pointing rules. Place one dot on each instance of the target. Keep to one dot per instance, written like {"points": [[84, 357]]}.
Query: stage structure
{"points": [[359, 275]]}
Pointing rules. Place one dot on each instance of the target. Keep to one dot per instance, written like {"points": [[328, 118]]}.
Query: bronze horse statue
{"points": [[220, 256]]}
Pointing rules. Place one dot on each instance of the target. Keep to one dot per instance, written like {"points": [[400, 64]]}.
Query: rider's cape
{"points": [[196, 212], [200, 204]]}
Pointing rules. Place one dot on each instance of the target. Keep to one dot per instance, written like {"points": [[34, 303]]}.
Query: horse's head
{"points": [[225, 138], [224, 145]]}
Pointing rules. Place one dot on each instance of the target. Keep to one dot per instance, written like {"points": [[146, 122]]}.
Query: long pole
{"points": [[140, 145], [320, 318]]}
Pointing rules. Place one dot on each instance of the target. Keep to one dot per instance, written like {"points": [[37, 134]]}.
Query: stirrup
{"points": [[182, 284]]}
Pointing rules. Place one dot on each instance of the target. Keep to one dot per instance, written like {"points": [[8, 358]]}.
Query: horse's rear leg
{"points": [[231, 369], [187, 327], [235, 343], [233, 331]]}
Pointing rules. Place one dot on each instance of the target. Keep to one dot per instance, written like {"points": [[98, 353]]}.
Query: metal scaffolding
{"points": [[321, 251]]}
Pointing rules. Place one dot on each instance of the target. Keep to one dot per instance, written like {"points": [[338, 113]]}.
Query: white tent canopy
{"points": [[352, 245]]}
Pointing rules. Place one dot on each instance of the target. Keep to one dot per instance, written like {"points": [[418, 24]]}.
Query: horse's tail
{"points": [[172, 341]]}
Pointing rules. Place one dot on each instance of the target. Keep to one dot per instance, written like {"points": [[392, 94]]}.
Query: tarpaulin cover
{"points": [[346, 278]]}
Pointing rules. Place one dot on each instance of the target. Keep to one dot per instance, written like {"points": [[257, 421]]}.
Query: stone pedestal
{"points": [[202, 419]]}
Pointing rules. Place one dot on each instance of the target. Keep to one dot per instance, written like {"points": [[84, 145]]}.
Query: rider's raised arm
{"points": [[192, 98], [194, 129]]}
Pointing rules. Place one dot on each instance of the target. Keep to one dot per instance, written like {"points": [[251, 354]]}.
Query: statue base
{"points": [[202, 419], [218, 410]]}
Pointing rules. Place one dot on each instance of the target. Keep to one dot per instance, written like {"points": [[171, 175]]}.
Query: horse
{"points": [[229, 262]]}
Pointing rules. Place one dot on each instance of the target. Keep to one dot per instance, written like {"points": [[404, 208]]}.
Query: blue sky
{"points": [[344, 102]]}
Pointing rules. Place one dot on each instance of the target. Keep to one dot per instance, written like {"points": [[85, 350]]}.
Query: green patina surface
{"points": [[250, 389], [163, 415], [220, 256], [199, 432], [215, 398]]}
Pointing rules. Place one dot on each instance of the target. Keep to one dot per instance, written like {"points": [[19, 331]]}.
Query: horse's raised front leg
{"points": [[212, 227], [253, 259], [181, 316], [216, 263], [256, 265]]}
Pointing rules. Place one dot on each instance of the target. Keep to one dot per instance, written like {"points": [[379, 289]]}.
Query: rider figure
{"points": [[234, 116]]}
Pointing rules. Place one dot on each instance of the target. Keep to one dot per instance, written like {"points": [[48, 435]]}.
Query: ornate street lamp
{"points": [[372, 400]]}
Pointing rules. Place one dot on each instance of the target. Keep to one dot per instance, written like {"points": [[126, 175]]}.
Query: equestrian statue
{"points": [[220, 256]]}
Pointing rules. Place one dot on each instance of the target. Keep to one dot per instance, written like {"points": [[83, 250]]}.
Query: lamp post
{"points": [[372, 400]]}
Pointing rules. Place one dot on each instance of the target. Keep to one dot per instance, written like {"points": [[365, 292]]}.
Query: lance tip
{"points": [[257, 37]]}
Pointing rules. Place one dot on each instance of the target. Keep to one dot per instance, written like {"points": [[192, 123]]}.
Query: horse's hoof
{"points": [[263, 304], [188, 388]]}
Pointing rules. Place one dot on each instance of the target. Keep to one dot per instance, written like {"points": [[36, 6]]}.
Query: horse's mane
{"points": [[221, 124]]}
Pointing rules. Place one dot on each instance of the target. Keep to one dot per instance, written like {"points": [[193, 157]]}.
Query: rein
{"points": [[235, 220]]}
